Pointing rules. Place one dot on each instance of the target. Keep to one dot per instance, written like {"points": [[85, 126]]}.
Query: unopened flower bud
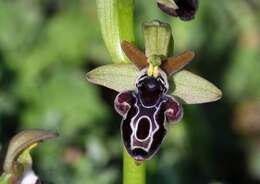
{"points": [[185, 9]]}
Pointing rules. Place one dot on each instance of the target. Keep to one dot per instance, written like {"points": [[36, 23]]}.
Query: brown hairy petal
{"points": [[135, 55], [175, 63]]}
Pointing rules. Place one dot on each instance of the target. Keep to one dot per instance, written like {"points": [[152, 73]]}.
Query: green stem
{"points": [[133, 174], [117, 24]]}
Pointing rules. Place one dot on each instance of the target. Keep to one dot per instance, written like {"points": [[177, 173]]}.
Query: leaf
{"points": [[190, 88], [21, 142], [193, 89], [119, 77]]}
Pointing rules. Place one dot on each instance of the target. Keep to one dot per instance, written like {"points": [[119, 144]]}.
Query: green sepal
{"points": [[157, 38], [193, 89], [119, 77], [189, 87]]}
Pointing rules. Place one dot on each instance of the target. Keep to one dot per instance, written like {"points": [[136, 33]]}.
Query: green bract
{"points": [[116, 20], [189, 87]]}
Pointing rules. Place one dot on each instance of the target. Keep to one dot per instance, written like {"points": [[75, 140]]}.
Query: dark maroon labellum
{"points": [[186, 9], [145, 112]]}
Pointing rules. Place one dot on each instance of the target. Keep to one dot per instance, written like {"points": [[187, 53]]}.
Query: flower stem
{"points": [[132, 173], [117, 24]]}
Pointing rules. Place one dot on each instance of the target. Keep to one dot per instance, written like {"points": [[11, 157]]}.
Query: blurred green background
{"points": [[47, 46]]}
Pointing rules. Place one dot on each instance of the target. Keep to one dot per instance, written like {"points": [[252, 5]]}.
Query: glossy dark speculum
{"points": [[145, 112]]}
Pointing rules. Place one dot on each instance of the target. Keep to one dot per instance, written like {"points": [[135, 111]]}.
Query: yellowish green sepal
{"points": [[157, 37]]}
